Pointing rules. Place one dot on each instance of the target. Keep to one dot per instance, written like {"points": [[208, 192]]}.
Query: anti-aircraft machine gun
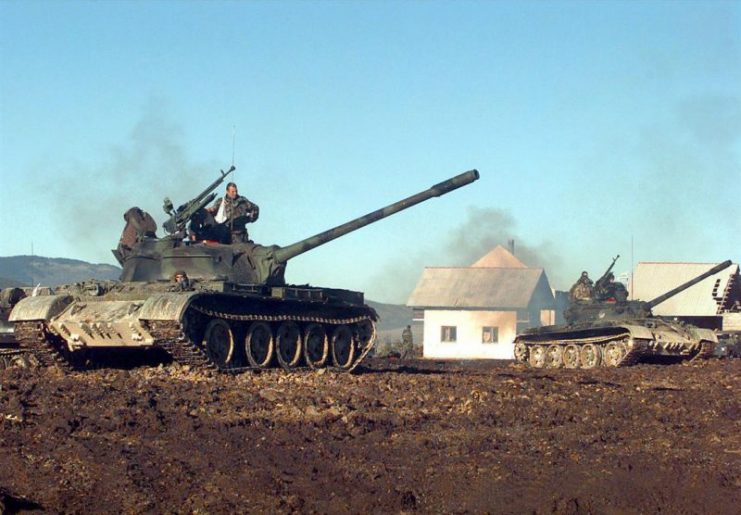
{"points": [[610, 331], [180, 217], [606, 289], [211, 305]]}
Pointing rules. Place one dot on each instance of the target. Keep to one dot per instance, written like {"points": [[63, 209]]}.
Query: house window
{"points": [[523, 320], [490, 335], [448, 333]]}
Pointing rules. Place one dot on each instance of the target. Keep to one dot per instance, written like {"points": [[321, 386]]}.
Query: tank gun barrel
{"points": [[283, 254], [671, 293]]}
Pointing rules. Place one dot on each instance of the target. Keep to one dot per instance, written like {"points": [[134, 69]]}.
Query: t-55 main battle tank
{"points": [[605, 329], [209, 304]]}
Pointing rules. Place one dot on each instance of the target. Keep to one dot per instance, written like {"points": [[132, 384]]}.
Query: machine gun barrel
{"points": [[603, 280], [671, 293], [609, 269], [180, 217], [283, 254], [214, 184]]}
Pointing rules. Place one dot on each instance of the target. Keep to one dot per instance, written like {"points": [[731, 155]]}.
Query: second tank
{"points": [[606, 329]]}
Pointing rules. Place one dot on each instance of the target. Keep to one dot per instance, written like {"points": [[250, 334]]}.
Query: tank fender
{"points": [[638, 332], [166, 306], [43, 307], [703, 334]]}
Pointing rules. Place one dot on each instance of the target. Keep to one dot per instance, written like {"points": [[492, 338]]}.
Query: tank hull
{"points": [[616, 344], [224, 326]]}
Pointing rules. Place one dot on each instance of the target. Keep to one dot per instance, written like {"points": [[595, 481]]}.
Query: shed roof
{"points": [[499, 257], [483, 288], [654, 279]]}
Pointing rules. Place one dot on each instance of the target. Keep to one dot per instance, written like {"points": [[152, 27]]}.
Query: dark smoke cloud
{"points": [[90, 197], [483, 229]]}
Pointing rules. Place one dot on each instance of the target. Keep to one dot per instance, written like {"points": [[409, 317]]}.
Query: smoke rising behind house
{"points": [[481, 230]]}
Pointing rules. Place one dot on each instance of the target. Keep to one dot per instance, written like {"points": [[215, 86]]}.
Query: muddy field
{"points": [[422, 436]]}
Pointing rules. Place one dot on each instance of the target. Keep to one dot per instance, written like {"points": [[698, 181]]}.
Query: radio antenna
{"points": [[234, 139]]}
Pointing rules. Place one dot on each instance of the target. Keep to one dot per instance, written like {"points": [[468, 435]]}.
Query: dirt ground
{"points": [[421, 436]]}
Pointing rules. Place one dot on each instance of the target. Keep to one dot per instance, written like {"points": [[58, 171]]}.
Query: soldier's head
{"points": [[231, 190], [584, 275]]}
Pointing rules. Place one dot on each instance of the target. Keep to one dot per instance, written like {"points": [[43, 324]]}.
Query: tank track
{"points": [[630, 355], [48, 349], [706, 350], [641, 348], [170, 335], [10, 358]]}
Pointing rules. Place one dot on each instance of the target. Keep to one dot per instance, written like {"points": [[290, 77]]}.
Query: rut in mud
{"points": [[420, 436]]}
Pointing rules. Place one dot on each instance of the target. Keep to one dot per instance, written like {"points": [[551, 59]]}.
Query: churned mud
{"points": [[419, 436]]}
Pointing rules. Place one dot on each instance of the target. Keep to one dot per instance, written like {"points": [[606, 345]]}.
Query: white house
{"points": [[475, 312]]}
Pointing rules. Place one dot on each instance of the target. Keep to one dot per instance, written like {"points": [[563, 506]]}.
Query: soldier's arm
{"points": [[215, 206], [252, 210]]}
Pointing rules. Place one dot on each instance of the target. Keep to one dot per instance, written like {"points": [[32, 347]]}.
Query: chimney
{"points": [[511, 246]]}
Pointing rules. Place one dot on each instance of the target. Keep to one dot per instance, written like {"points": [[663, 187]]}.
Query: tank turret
{"points": [[609, 301], [154, 259]]}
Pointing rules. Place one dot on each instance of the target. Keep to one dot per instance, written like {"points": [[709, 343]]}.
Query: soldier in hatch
{"points": [[231, 213], [583, 289]]}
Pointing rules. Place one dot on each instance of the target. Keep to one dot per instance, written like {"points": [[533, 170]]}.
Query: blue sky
{"points": [[593, 124]]}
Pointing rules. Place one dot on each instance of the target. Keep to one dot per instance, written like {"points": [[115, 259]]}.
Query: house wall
{"points": [[469, 325]]}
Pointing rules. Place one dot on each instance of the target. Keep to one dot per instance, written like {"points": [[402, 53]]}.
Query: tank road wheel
{"points": [[20, 361], [258, 345], [614, 354], [218, 341], [537, 356], [554, 356], [590, 355], [365, 333], [571, 356], [288, 345], [343, 348], [316, 346], [520, 352]]}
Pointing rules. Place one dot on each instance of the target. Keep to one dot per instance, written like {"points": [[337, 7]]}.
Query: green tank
{"points": [[604, 328], [207, 304]]}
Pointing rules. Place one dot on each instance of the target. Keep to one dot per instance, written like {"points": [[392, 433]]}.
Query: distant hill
{"points": [[393, 316], [9, 283], [33, 270]]}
